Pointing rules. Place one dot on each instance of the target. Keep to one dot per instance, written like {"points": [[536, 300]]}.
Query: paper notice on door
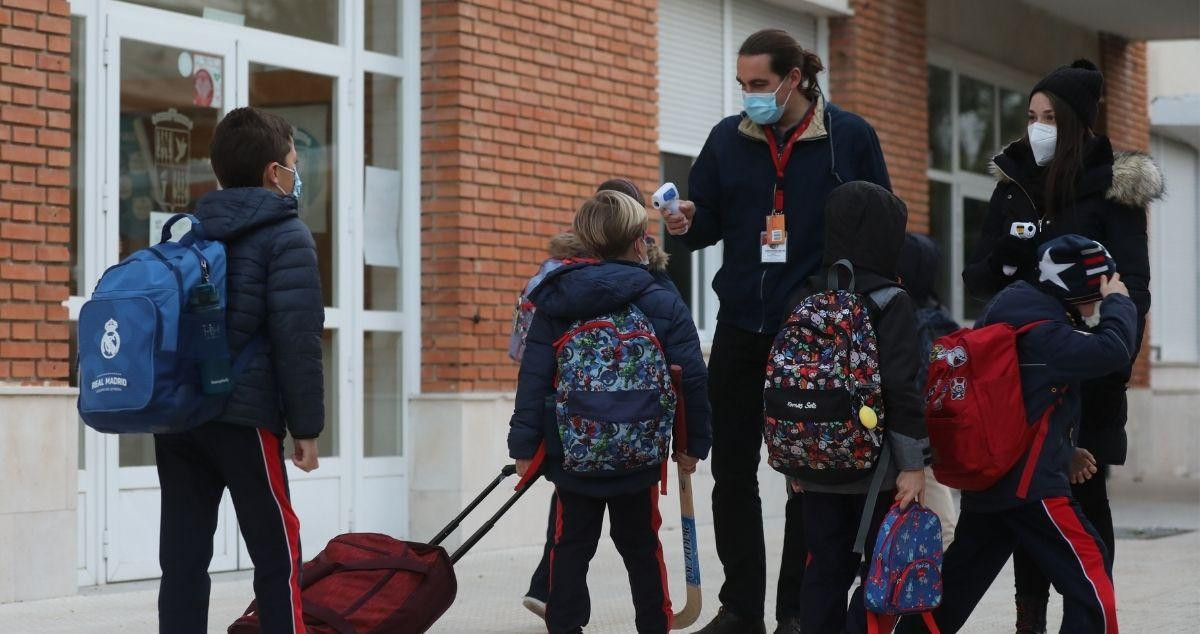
{"points": [[381, 231], [160, 218], [207, 80]]}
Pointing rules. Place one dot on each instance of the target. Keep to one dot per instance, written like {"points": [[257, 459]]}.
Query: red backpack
{"points": [[975, 411]]}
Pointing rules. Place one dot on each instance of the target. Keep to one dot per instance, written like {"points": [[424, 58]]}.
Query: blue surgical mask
{"points": [[297, 184], [761, 106]]}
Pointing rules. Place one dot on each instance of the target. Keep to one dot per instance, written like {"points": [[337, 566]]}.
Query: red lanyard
{"points": [[781, 158]]}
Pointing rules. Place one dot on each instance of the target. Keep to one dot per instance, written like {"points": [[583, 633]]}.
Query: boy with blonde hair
{"points": [[600, 345]]}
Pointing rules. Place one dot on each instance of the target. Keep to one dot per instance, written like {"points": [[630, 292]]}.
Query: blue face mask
{"points": [[761, 106], [297, 184]]}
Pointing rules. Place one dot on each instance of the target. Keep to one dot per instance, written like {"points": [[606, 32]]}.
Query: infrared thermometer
{"points": [[666, 198]]}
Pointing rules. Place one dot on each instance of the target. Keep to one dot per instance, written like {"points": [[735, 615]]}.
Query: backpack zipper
{"points": [[895, 598]]}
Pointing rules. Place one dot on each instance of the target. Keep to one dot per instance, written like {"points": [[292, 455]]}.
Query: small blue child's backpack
{"points": [[614, 403], [905, 575], [152, 350]]}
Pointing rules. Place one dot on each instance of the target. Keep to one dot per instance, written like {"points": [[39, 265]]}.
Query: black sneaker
{"points": [[1031, 615], [788, 625], [726, 622]]}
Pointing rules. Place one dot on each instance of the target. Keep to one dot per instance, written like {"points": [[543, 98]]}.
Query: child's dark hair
{"points": [[623, 185], [245, 142], [786, 54]]}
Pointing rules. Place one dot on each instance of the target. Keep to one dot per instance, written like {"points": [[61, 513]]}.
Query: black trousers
{"points": [[1092, 497], [736, 372], [831, 523], [539, 583], [633, 525], [194, 469], [1062, 542]]}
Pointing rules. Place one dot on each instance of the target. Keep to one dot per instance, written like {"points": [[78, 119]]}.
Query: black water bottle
{"points": [[216, 374]]}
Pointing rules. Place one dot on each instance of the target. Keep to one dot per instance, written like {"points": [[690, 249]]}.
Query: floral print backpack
{"points": [[905, 575], [823, 398], [614, 403]]}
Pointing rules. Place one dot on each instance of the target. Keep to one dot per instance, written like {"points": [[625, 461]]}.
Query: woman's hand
{"points": [[910, 487]]}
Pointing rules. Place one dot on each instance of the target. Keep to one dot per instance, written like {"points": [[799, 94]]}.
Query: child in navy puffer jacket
{"points": [[1090, 330], [612, 226]]}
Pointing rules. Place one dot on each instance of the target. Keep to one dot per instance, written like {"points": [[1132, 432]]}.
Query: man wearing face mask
{"points": [[1063, 178], [274, 319], [759, 185]]}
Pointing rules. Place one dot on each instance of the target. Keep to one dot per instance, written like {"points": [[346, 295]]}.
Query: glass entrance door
{"points": [[168, 89]]}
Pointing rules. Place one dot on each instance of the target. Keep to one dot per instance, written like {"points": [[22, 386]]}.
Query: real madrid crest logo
{"points": [[110, 343]]}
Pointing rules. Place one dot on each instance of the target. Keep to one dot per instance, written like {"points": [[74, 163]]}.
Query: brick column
{"points": [[1125, 118], [526, 107], [34, 190], [877, 69]]}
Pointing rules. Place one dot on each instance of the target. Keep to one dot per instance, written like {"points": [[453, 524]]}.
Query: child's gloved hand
{"points": [[687, 464], [1083, 466], [910, 487]]}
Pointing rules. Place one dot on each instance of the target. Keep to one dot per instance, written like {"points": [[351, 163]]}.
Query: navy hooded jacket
{"points": [[1055, 359], [274, 294], [581, 291], [732, 184]]}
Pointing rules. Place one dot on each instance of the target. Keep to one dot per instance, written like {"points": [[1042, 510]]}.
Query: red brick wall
{"points": [[877, 69], [35, 179], [526, 107], [1125, 118]]}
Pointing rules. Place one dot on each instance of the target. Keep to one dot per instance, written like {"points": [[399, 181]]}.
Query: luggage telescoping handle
{"points": [[504, 473], [487, 526]]}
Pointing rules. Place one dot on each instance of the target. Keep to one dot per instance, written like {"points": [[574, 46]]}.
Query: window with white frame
{"points": [[1175, 240], [971, 118]]}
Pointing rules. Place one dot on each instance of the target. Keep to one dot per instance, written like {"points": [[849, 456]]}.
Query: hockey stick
{"points": [[691, 554]]}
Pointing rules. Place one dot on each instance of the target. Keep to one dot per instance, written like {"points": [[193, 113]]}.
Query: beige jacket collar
{"points": [[816, 129]]}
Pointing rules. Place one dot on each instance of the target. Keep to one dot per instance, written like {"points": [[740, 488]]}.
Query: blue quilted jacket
{"points": [[581, 291]]}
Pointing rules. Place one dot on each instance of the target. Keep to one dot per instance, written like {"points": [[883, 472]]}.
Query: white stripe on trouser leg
{"points": [[286, 538], [1082, 568]]}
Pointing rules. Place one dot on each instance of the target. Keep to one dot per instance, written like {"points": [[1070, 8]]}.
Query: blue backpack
{"points": [[614, 403], [152, 351], [905, 575]]}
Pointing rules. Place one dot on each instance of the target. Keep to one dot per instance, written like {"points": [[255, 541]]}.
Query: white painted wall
{"points": [[1174, 67]]}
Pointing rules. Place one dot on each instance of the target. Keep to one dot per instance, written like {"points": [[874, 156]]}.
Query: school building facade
{"points": [[442, 143]]}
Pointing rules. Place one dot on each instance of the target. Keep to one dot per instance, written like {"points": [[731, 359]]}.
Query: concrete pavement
{"points": [[1158, 583]]}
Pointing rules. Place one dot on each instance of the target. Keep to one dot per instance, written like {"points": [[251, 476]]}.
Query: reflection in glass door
{"points": [[165, 100]]}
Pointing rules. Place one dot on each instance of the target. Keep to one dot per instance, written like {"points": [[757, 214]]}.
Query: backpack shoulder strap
{"points": [[1030, 326], [864, 525], [881, 297]]}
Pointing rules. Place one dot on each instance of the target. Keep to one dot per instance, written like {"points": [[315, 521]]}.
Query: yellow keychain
{"points": [[867, 417]]}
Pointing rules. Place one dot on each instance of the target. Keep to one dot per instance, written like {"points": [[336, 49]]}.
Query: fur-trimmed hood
{"points": [[1133, 178], [567, 245]]}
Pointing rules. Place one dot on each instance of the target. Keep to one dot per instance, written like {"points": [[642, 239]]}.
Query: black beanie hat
{"points": [[1079, 85], [1070, 268]]}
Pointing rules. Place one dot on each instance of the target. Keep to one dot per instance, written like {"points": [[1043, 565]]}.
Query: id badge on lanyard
{"points": [[773, 239]]}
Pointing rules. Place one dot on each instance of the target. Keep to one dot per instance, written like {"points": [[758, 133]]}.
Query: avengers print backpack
{"points": [[905, 576], [614, 404], [823, 399]]}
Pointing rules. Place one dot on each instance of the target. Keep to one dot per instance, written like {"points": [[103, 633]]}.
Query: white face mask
{"points": [[1094, 319], [1042, 138]]}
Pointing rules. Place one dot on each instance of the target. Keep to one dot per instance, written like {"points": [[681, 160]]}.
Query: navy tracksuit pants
{"points": [[633, 525], [831, 522], [1058, 538], [194, 469]]}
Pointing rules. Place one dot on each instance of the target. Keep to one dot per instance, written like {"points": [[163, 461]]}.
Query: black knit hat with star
{"points": [[1079, 85], [1070, 268]]}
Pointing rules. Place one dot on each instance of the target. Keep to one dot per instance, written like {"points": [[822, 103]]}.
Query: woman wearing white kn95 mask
{"points": [[1063, 178]]}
